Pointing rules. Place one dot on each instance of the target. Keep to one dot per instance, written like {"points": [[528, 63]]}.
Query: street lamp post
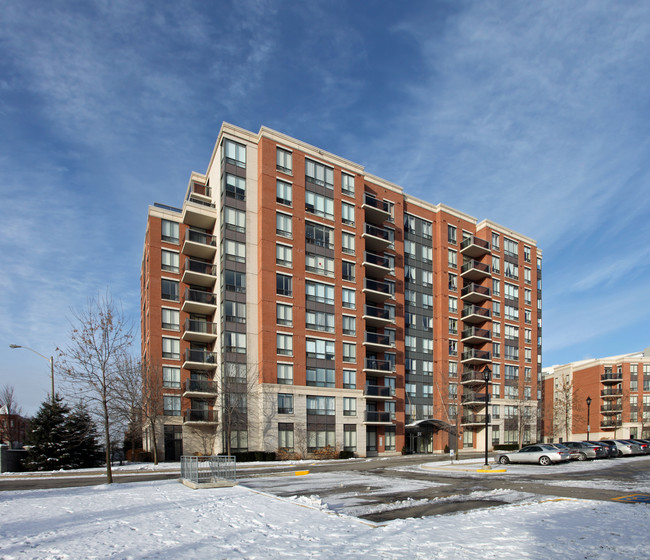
{"points": [[50, 359], [486, 377], [588, 407]]}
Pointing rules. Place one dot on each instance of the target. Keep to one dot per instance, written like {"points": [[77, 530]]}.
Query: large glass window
{"points": [[171, 319], [235, 187], [169, 261], [284, 285], [320, 377], [349, 406], [171, 348], [321, 405], [235, 281], [321, 293], [283, 224], [347, 184], [319, 205], [285, 403], [349, 379], [349, 352], [320, 321], [235, 251], [234, 342], [283, 192], [347, 213], [234, 153], [284, 344], [320, 349], [235, 220], [169, 231], [171, 377], [320, 235], [319, 174], [349, 437], [347, 242], [171, 405], [510, 247], [283, 255], [234, 311], [319, 264], [285, 374], [283, 161], [349, 298], [349, 325], [284, 314]]}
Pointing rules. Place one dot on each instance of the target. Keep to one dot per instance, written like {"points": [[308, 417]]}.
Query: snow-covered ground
{"points": [[166, 520]]}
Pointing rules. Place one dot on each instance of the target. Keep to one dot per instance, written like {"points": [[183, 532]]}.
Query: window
{"points": [[496, 371], [234, 187], [347, 213], [321, 293], [411, 389], [411, 342], [409, 223], [319, 348], [171, 405], [285, 436], [169, 231], [169, 289], [234, 311], [235, 281], [427, 279], [171, 377], [169, 261], [510, 247], [283, 224], [284, 314], [283, 285], [496, 329], [527, 277], [320, 235], [285, 374], [453, 304], [409, 248], [511, 270], [349, 379], [349, 352], [451, 234], [453, 326], [511, 372], [453, 390], [427, 345], [235, 220], [411, 366], [452, 258], [427, 253], [234, 342], [496, 287], [510, 291], [348, 271], [319, 174], [527, 316], [283, 255], [528, 336], [511, 392], [283, 161], [427, 229], [427, 367], [526, 253], [283, 192], [427, 301], [496, 393], [235, 251], [528, 355], [320, 321], [171, 348], [511, 352], [235, 154], [349, 297], [511, 332], [349, 406], [496, 309], [347, 242], [349, 325], [427, 323], [453, 282], [347, 184], [496, 265], [349, 437], [319, 264], [495, 242], [453, 348], [284, 344], [527, 296], [511, 312], [410, 274], [320, 377], [496, 349], [170, 319], [285, 403]]}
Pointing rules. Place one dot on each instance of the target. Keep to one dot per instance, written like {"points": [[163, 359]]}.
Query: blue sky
{"points": [[532, 114]]}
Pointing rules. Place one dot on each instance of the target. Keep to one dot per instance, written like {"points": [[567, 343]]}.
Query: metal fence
{"points": [[209, 470]]}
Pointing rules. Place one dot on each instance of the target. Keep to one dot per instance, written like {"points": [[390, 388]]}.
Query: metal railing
{"points": [[209, 469]]}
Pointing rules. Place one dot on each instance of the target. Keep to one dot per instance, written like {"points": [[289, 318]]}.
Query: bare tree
{"points": [[99, 338], [152, 402], [9, 424], [128, 401], [238, 385], [563, 397]]}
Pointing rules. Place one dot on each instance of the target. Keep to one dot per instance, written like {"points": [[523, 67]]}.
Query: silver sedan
{"points": [[542, 453]]}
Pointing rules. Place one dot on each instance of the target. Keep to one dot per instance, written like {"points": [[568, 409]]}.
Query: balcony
{"points": [[611, 406], [377, 392], [199, 331], [199, 244], [199, 273], [199, 210], [476, 420], [197, 301], [200, 359], [378, 341], [473, 399], [610, 422], [475, 314], [201, 416], [611, 393], [472, 378], [377, 291], [376, 417], [475, 271], [379, 367], [376, 265], [377, 238], [377, 211], [472, 356], [475, 293], [200, 388], [474, 335], [474, 247], [611, 378], [377, 316]]}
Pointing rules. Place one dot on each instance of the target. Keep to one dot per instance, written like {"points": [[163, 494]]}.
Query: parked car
{"points": [[586, 450], [574, 454], [645, 447], [610, 449], [542, 453], [624, 447]]}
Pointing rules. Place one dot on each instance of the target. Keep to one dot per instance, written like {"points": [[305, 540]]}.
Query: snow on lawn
{"points": [[166, 520]]}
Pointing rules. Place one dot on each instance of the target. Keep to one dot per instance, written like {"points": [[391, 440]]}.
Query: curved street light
{"points": [[50, 359]]}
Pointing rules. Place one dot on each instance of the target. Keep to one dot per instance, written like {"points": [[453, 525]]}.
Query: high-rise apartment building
{"points": [[599, 398], [295, 301]]}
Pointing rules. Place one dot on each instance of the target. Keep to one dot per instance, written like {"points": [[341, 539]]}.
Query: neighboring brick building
{"points": [[619, 391], [13, 428], [295, 301]]}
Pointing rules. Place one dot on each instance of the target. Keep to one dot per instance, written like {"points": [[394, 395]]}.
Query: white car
{"points": [[541, 453]]}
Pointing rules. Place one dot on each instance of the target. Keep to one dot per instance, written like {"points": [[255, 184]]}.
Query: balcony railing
{"points": [[379, 365], [374, 416], [201, 386], [200, 267], [379, 232], [613, 392], [475, 332], [200, 415], [473, 240], [198, 326], [611, 377], [476, 398], [378, 312], [200, 237], [470, 310], [374, 258], [377, 391], [474, 419], [473, 354], [378, 286], [379, 339], [199, 296], [200, 356], [472, 376], [477, 289], [373, 202], [475, 269]]}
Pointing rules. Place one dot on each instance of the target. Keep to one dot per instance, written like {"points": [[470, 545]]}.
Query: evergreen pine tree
{"points": [[50, 448], [84, 450]]}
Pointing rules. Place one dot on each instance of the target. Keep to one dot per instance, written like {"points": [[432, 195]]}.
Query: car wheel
{"points": [[582, 457], [504, 460], [620, 453], [544, 461]]}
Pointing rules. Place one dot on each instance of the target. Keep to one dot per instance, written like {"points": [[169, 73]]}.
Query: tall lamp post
{"points": [[486, 376], [50, 359], [588, 407]]}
